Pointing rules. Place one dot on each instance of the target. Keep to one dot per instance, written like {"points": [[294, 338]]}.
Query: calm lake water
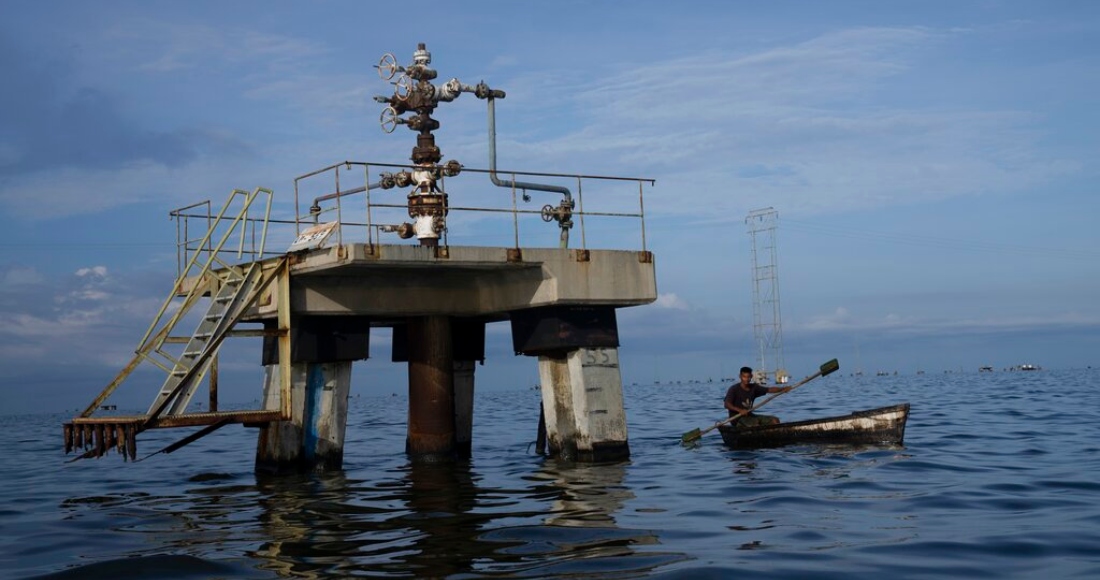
{"points": [[998, 477]]}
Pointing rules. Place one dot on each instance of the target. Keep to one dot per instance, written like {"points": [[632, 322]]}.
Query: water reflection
{"points": [[300, 518], [584, 495], [580, 526], [425, 524], [437, 520]]}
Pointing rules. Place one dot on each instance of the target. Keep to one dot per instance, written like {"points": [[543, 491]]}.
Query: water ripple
{"points": [[983, 487]]}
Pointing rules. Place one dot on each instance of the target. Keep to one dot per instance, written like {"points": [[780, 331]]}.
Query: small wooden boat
{"points": [[883, 425]]}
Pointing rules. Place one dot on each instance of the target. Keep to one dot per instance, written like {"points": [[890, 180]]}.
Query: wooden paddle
{"points": [[825, 369]]}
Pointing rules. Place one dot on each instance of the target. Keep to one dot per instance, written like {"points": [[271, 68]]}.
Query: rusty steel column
{"points": [[213, 374], [431, 430]]}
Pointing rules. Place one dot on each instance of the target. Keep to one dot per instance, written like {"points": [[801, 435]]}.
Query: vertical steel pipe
{"points": [[213, 378]]}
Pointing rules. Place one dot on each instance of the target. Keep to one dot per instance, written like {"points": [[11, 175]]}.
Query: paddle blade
{"points": [[691, 436], [829, 367]]}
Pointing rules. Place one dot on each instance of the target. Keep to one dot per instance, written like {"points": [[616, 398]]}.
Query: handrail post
{"points": [[580, 205], [641, 212], [366, 184], [515, 215], [339, 212]]}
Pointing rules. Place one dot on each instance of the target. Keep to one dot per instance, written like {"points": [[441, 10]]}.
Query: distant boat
{"points": [[985, 369], [1028, 367], [882, 425]]}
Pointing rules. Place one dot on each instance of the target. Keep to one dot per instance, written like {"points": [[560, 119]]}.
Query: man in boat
{"points": [[740, 397]]}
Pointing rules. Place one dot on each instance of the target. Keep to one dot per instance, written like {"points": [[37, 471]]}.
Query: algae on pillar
{"points": [[314, 437], [582, 399], [322, 351], [582, 392]]}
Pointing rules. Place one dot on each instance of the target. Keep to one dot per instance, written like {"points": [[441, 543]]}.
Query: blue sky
{"points": [[933, 165]]}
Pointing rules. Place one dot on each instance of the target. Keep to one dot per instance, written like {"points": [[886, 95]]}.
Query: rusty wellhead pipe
{"points": [[567, 202]]}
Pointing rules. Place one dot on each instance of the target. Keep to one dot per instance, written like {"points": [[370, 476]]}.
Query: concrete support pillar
{"points": [[464, 407], [431, 430], [582, 401], [314, 437]]}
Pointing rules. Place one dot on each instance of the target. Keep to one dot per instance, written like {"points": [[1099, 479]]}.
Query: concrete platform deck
{"points": [[396, 281]]}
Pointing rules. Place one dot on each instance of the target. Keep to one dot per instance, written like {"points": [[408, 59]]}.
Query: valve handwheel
{"points": [[547, 213], [402, 87], [387, 66], [389, 119]]}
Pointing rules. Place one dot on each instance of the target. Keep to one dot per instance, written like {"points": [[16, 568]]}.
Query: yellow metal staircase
{"points": [[232, 290], [225, 309]]}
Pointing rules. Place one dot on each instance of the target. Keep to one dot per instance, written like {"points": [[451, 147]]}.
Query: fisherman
{"points": [[740, 397]]}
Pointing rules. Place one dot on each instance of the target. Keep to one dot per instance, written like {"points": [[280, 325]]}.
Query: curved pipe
{"points": [[564, 191]]}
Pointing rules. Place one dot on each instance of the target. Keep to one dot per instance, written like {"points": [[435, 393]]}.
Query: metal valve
{"points": [[452, 168], [563, 213], [403, 178], [389, 119], [387, 66], [416, 97], [402, 87]]}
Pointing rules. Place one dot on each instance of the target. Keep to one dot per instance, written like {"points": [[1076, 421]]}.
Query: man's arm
{"points": [[731, 407], [779, 389], [728, 403]]}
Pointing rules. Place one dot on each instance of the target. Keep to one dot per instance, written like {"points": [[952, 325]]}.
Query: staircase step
{"points": [[225, 308]]}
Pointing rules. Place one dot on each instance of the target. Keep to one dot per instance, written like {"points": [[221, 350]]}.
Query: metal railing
{"points": [[332, 191], [244, 225], [487, 215]]}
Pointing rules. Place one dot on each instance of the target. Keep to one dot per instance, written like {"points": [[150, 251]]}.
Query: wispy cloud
{"points": [[844, 321], [174, 46], [815, 114], [87, 317]]}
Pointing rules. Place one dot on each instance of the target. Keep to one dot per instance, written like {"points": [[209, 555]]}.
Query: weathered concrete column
{"points": [[431, 430], [464, 407], [582, 399], [322, 349], [314, 437]]}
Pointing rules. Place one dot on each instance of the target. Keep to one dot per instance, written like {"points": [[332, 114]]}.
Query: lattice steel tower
{"points": [[767, 321]]}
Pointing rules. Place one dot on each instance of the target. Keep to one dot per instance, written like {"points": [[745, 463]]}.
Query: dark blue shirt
{"points": [[741, 398]]}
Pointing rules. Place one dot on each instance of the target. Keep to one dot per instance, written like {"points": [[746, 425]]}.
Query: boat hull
{"points": [[882, 425]]}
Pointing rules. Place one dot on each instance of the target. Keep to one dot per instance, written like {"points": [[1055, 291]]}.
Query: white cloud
{"points": [[671, 301], [98, 271]]}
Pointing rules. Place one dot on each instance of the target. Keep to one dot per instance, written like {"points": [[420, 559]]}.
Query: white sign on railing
{"points": [[313, 237]]}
